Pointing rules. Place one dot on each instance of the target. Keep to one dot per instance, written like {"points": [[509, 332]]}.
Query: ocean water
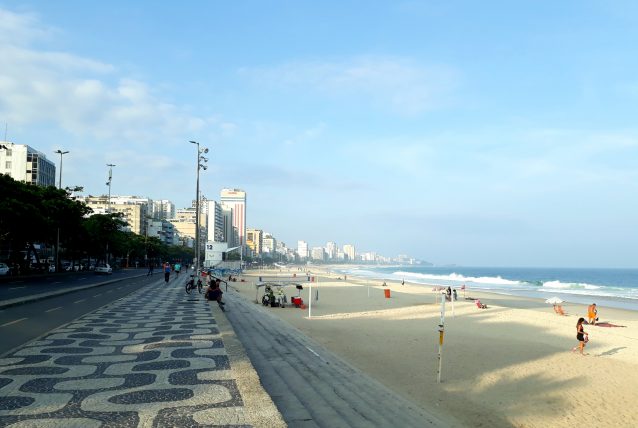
{"points": [[609, 287]]}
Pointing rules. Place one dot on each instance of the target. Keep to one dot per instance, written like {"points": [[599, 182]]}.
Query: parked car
{"points": [[104, 268], [4, 269]]}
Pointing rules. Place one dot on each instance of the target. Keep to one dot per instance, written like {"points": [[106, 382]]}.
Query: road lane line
{"points": [[80, 301], [12, 322], [96, 295], [17, 288], [316, 355], [54, 309]]}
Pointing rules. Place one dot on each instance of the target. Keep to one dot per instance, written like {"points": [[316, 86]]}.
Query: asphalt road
{"points": [[26, 286], [22, 323]]}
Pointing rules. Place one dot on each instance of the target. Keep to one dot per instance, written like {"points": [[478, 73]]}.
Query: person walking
{"points": [[167, 271], [150, 269], [178, 268], [581, 336]]}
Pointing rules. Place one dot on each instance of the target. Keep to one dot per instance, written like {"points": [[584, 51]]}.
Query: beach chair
{"points": [[480, 305]]}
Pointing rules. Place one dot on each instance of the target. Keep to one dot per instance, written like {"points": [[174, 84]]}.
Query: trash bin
{"points": [[387, 293]]}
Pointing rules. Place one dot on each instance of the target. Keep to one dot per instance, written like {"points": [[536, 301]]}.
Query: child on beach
{"points": [[581, 336]]}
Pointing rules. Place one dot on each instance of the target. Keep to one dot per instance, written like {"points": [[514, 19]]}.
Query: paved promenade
{"points": [[156, 358]]}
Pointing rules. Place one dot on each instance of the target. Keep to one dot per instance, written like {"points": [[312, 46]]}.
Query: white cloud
{"points": [[19, 29], [397, 84], [85, 97], [305, 135]]}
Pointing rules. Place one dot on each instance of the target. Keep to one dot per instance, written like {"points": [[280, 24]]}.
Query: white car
{"points": [[104, 268], [4, 269]]}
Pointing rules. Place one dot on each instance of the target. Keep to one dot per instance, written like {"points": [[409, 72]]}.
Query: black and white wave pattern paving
{"points": [[149, 360]]}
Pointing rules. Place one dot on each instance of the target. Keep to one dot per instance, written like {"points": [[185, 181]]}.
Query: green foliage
{"points": [[32, 214]]}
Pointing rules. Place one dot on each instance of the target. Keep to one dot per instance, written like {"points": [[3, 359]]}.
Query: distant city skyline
{"points": [[461, 132]]}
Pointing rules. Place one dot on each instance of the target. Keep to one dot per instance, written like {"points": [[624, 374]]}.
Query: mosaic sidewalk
{"points": [[157, 358]]}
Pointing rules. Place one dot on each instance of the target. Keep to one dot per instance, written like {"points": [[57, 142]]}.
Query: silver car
{"points": [[104, 268], [4, 269]]}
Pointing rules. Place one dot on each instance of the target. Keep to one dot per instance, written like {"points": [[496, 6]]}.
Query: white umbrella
{"points": [[554, 301]]}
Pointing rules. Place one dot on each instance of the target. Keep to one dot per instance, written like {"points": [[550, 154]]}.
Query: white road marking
{"points": [[80, 301], [17, 288], [12, 322], [54, 309], [96, 295], [316, 355]]}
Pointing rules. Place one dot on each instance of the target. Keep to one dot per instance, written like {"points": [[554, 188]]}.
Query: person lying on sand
{"points": [[559, 310]]}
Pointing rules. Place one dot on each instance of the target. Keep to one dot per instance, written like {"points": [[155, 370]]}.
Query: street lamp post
{"points": [[201, 160], [108, 209], [57, 242], [108, 183]]}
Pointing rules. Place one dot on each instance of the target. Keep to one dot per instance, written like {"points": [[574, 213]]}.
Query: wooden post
{"points": [[310, 300]]}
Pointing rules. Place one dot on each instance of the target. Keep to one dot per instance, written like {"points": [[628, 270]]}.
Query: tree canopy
{"points": [[31, 216]]}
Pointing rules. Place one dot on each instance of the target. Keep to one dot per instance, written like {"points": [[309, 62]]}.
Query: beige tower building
{"points": [[135, 210], [254, 240]]}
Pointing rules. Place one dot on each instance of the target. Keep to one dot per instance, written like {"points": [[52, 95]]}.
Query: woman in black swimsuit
{"points": [[581, 336]]}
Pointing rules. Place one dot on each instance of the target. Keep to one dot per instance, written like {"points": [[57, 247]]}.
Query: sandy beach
{"points": [[508, 365]]}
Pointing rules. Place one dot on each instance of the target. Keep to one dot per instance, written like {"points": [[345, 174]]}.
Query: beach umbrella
{"points": [[554, 301]]}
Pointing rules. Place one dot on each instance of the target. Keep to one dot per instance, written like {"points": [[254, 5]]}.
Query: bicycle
{"points": [[191, 285]]}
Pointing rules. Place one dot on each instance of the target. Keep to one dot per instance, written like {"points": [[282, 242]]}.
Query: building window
{"points": [[8, 152], [7, 165]]}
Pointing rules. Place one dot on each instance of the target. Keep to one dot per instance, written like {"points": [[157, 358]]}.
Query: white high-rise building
{"points": [[318, 254], [215, 222], [228, 230], [349, 251], [236, 199], [163, 209], [331, 250], [269, 244], [24, 163], [302, 249]]}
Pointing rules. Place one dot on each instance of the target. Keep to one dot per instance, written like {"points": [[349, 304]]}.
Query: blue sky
{"points": [[490, 133]]}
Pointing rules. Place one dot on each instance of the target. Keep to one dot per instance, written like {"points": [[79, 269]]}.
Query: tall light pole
{"points": [[108, 183], [201, 160], [57, 242], [108, 210]]}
